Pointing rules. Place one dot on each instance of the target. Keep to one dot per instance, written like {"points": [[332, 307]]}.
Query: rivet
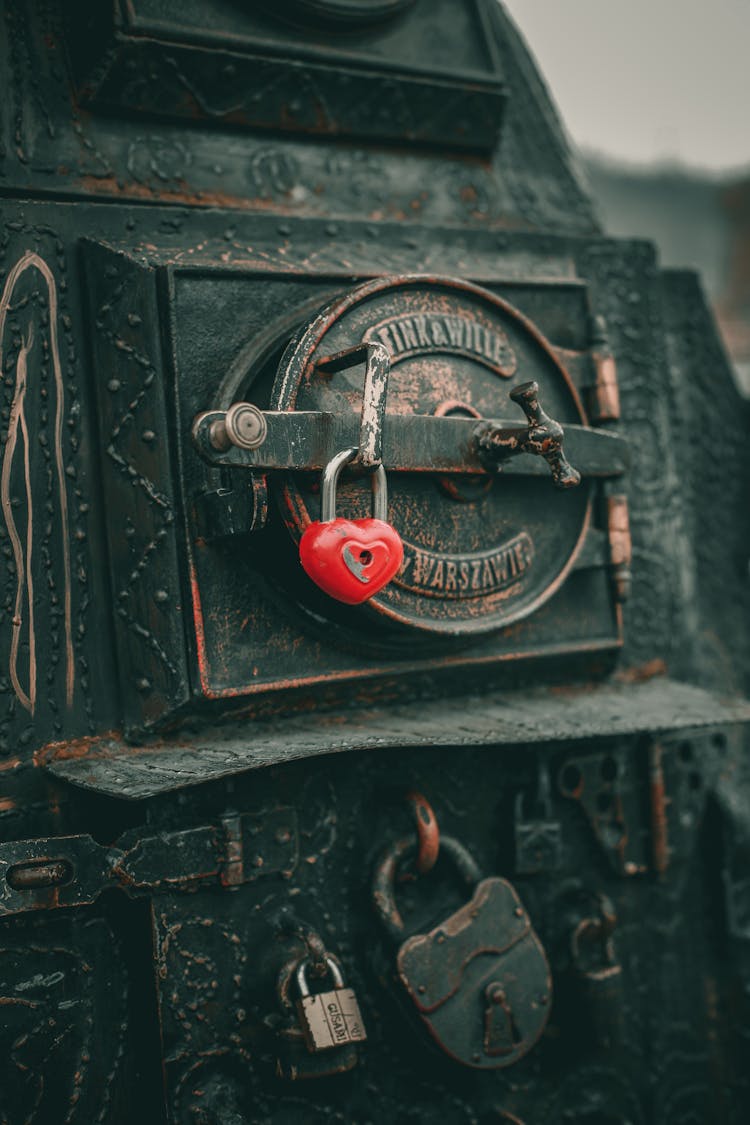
{"points": [[143, 684], [113, 385]]}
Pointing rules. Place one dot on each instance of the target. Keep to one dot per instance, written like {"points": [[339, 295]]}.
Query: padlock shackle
{"points": [[301, 975], [288, 975], [384, 879], [329, 482]]}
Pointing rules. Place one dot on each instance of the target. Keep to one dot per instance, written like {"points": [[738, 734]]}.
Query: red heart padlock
{"points": [[351, 560]]}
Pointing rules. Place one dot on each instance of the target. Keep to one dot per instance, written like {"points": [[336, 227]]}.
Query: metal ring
{"points": [[384, 878], [597, 928], [428, 832]]}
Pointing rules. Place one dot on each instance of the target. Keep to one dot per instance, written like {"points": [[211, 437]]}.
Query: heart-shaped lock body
{"points": [[351, 560]]}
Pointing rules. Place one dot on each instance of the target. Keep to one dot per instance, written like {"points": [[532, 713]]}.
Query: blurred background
{"points": [[656, 96]]}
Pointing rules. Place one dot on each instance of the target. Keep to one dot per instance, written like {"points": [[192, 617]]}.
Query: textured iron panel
{"points": [[550, 715]]}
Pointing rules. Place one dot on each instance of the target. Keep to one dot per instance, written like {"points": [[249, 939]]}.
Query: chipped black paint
{"points": [[157, 1001]]}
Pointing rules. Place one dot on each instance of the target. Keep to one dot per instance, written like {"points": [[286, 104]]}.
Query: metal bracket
{"points": [[377, 369], [65, 871], [637, 822]]}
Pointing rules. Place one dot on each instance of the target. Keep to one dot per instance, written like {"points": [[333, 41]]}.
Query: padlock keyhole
{"points": [[365, 557]]}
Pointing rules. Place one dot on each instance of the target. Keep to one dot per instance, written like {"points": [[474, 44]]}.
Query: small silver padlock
{"points": [[328, 1019]]}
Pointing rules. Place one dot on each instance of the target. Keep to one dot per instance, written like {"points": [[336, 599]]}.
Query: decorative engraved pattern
{"points": [[155, 158], [268, 91], [121, 450], [138, 483], [61, 1036], [23, 552]]}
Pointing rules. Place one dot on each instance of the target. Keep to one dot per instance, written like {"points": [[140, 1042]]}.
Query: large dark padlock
{"points": [[479, 981]]}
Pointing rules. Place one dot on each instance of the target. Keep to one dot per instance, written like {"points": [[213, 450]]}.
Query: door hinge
{"points": [[620, 545], [64, 871], [604, 396]]}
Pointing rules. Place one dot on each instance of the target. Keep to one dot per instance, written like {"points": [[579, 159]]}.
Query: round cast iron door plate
{"points": [[490, 557]]}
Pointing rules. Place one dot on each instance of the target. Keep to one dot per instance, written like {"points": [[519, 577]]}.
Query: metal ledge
{"points": [[110, 766]]}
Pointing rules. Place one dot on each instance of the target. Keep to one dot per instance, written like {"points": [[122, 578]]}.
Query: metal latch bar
{"points": [[412, 443]]}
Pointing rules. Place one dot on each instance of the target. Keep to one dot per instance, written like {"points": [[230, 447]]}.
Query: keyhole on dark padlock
{"points": [[501, 1034]]}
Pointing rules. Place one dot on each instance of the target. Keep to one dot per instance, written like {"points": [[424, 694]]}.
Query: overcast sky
{"points": [[648, 80]]}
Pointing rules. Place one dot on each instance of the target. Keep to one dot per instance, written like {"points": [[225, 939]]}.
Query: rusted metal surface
{"points": [[639, 812], [377, 360], [38, 874], [604, 397], [659, 799], [111, 765], [264, 65], [180, 202], [70, 871], [307, 439]]}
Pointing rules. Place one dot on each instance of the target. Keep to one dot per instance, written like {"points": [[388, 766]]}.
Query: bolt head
{"points": [[245, 425]]}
